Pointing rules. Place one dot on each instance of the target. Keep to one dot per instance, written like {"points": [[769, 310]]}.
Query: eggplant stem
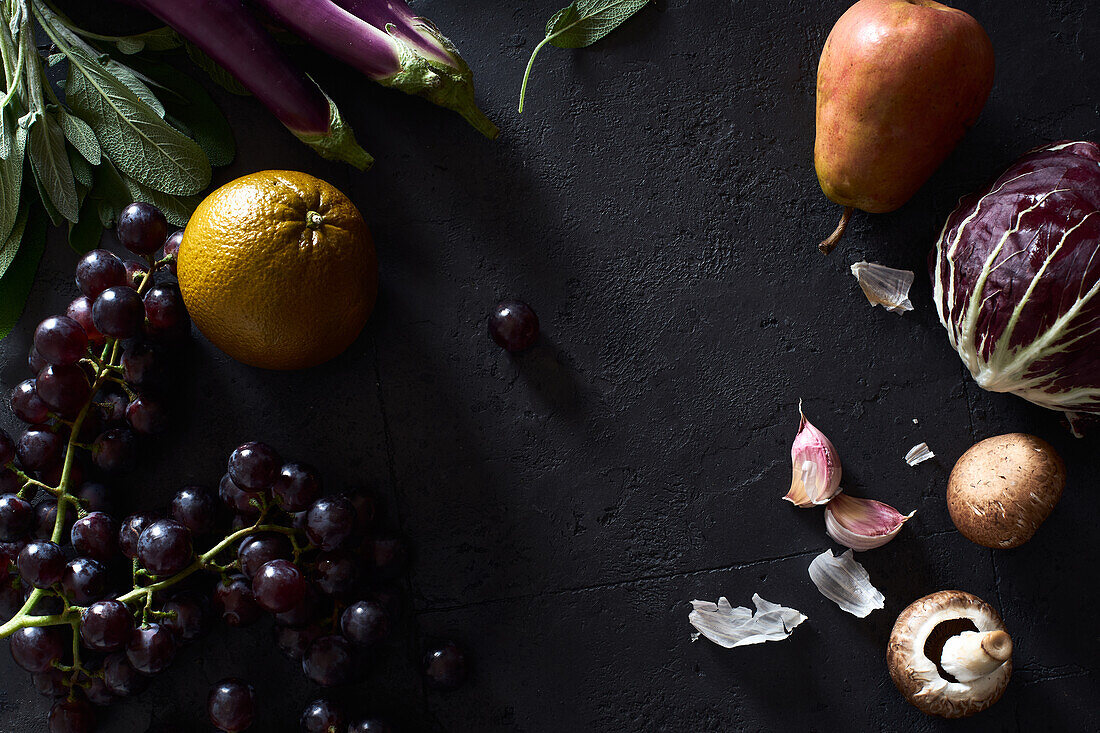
{"points": [[830, 242]]}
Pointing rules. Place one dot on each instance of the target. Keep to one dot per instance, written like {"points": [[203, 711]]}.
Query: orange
{"points": [[278, 270]]}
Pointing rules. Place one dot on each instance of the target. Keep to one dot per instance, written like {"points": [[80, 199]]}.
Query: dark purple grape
{"points": [[279, 586], [172, 245], [36, 648], [147, 416], [60, 340], [106, 626], [253, 466], [16, 517], [120, 676], [10, 483], [135, 273], [330, 522], [118, 312], [39, 448], [323, 716], [72, 716], [365, 623], [164, 308], [164, 547], [385, 556], [97, 693], [51, 683], [95, 497], [234, 601], [236, 498], [151, 648], [114, 406], [445, 666], [27, 405], [41, 563], [296, 487], [513, 325], [145, 366], [84, 580], [45, 516], [80, 310], [141, 228], [35, 362], [306, 611], [64, 388], [7, 448], [371, 725], [231, 705], [192, 618], [99, 270], [95, 535], [130, 532], [194, 508], [293, 640], [114, 450], [259, 549], [336, 573], [327, 662]]}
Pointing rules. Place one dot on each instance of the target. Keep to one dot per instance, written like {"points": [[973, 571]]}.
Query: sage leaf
{"points": [[158, 39], [9, 246], [82, 171], [176, 209], [581, 24], [50, 165], [127, 76], [29, 235], [81, 136], [132, 133], [85, 234], [11, 172], [216, 72], [110, 194]]}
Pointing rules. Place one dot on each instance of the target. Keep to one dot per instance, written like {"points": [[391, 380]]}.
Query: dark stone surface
{"points": [[656, 205]]}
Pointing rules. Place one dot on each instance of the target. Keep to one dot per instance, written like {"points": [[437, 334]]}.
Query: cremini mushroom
{"points": [[1003, 488], [949, 654]]}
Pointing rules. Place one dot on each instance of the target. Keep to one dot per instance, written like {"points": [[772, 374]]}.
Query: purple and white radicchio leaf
{"points": [[1016, 279]]}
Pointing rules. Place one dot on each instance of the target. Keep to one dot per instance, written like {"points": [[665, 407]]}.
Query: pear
{"points": [[898, 85]]}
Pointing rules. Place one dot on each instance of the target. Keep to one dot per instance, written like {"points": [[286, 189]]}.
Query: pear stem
{"points": [[831, 241]]}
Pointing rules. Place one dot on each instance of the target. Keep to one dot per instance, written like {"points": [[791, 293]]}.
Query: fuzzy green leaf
{"points": [[109, 193], [85, 234], [30, 230], [11, 175], [132, 133], [81, 136], [226, 80], [50, 164], [177, 209], [82, 171], [581, 24], [127, 76]]}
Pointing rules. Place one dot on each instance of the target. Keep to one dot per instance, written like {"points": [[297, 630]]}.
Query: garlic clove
{"points": [[729, 627], [846, 583], [919, 453], [885, 286], [815, 466], [862, 524]]}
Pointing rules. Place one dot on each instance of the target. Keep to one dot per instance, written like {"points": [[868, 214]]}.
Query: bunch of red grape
{"points": [[98, 605]]}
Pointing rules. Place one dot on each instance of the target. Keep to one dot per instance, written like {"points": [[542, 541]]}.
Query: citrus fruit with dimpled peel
{"points": [[278, 270]]}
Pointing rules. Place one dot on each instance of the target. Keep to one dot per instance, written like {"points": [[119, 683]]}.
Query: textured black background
{"points": [[657, 205]]}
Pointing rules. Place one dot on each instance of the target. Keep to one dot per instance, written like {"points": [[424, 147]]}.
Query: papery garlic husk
{"points": [[919, 453], [729, 627], [862, 524], [885, 286], [815, 466], [846, 583]]}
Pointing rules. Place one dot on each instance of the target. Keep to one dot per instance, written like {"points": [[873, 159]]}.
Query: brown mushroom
{"points": [[1003, 488], [949, 654]]}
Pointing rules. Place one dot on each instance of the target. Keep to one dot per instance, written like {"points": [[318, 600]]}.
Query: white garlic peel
{"points": [[919, 453], [729, 627], [846, 583], [972, 655], [885, 286]]}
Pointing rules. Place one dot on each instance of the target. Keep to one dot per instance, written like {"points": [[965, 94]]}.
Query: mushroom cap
{"points": [[1003, 488], [917, 677]]}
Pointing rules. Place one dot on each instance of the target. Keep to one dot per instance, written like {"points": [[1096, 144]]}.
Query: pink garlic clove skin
{"points": [[862, 524], [815, 467]]}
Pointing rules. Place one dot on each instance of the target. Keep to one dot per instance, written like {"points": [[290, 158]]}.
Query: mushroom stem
{"points": [[972, 655]]}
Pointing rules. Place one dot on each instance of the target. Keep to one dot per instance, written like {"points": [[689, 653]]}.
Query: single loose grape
{"points": [[513, 325], [231, 705], [445, 666], [323, 716], [365, 623]]}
